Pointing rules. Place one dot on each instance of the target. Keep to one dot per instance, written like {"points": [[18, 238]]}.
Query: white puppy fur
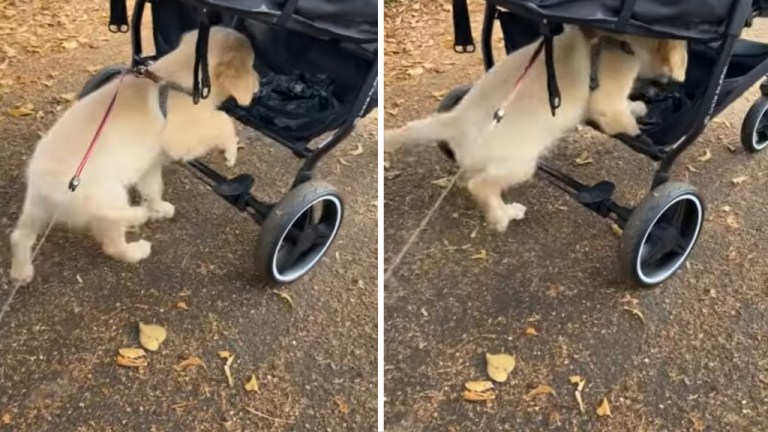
{"points": [[137, 140]]}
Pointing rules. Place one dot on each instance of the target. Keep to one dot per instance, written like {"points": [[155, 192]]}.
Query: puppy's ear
{"points": [[674, 55], [238, 79]]}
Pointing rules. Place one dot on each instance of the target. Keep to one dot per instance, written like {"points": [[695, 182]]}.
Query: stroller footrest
{"points": [[235, 186]]}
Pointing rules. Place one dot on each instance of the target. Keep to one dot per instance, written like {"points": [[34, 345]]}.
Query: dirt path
{"points": [[697, 362], [316, 362]]}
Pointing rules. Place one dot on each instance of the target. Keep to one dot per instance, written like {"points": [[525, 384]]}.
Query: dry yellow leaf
{"points": [[225, 354], [93, 69], [285, 296], [357, 151], [227, 371], [132, 362], [636, 313], [182, 305], [478, 386], [151, 336], [698, 423], [530, 331], [190, 362], [70, 45], [541, 389], [252, 385], [616, 230], [7, 419], [705, 157], [416, 71], [132, 353], [604, 409], [344, 162], [739, 180], [575, 379], [22, 111], [482, 255], [473, 396], [499, 366], [443, 182], [583, 159], [692, 168], [68, 97], [342, 405]]}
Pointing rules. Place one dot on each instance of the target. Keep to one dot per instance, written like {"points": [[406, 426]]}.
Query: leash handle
{"points": [[75, 181], [498, 115]]}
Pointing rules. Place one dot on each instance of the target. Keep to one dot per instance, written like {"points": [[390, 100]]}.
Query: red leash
{"points": [[75, 181], [498, 115]]}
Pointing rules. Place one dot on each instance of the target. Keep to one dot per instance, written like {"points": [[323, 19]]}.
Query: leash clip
{"points": [[498, 116], [74, 183]]}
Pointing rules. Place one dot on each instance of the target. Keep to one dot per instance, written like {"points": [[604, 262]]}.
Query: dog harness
{"points": [[164, 87]]}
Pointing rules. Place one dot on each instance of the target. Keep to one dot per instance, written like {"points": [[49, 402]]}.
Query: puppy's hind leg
{"points": [[111, 217], [32, 221], [150, 186], [487, 190]]}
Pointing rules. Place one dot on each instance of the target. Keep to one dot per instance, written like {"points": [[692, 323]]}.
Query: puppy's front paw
{"points": [[137, 251], [161, 210], [515, 211], [22, 273], [615, 125], [230, 154], [500, 219]]}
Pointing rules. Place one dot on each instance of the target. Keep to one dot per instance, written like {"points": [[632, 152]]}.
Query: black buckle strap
{"points": [[285, 15], [118, 16], [463, 42], [548, 32], [201, 85]]}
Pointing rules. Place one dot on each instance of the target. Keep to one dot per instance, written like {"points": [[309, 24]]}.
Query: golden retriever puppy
{"points": [[135, 143], [658, 59], [499, 157]]}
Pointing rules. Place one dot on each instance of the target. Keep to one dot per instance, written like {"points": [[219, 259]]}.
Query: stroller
{"points": [[661, 231], [318, 66]]}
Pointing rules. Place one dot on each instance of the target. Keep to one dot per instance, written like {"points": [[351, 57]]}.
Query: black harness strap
{"points": [[163, 89], [463, 42], [201, 86], [287, 13], [552, 88]]}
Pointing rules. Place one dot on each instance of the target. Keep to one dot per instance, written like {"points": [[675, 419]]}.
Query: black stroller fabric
{"points": [[687, 19]]}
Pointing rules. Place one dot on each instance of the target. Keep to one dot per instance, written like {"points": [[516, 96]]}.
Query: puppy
{"points": [[653, 59], [135, 143], [499, 157]]}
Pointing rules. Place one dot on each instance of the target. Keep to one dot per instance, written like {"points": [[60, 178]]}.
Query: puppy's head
{"points": [[230, 63], [663, 59]]}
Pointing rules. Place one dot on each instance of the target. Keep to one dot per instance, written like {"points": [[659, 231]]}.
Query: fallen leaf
{"points": [[416, 71], [7, 419], [692, 168], [482, 255], [443, 182], [225, 355], [227, 371], [151, 336], [530, 331], [46, 83], [252, 385], [731, 221], [604, 409], [583, 159], [22, 111], [726, 208], [190, 362], [478, 386], [541, 389], [739, 180], [730, 148], [285, 296], [499, 366], [132, 353], [579, 381], [698, 423], [182, 305], [132, 362], [344, 162], [68, 97], [616, 230], [705, 157], [473, 396], [93, 69], [342, 405], [9, 52], [636, 313], [70, 45], [357, 151]]}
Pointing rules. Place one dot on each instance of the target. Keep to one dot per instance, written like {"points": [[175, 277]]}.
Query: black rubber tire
{"points": [[453, 98], [641, 221], [757, 112], [280, 219], [100, 78]]}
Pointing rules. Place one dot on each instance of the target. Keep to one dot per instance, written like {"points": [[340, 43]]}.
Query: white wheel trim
{"points": [[665, 275], [296, 273], [754, 131]]}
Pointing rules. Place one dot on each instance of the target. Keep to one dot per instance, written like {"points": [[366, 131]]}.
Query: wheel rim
{"points": [[669, 239], [306, 239], [760, 133]]}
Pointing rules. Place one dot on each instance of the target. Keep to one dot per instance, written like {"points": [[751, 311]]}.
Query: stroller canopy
{"points": [[683, 19]]}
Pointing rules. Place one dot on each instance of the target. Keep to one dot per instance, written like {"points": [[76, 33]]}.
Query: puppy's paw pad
{"points": [[137, 251], [22, 273], [515, 211], [162, 210]]}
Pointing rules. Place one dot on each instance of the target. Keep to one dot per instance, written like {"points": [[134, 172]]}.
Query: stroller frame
{"points": [[748, 59], [297, 230]]}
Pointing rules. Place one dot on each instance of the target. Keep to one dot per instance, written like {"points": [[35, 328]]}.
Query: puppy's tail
{"points": [[425, 131]]}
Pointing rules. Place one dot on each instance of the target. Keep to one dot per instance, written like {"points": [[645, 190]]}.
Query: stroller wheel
{"points": [[754, 129], [453, 98], [100, 78], [660, 233], [298, 232]]}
